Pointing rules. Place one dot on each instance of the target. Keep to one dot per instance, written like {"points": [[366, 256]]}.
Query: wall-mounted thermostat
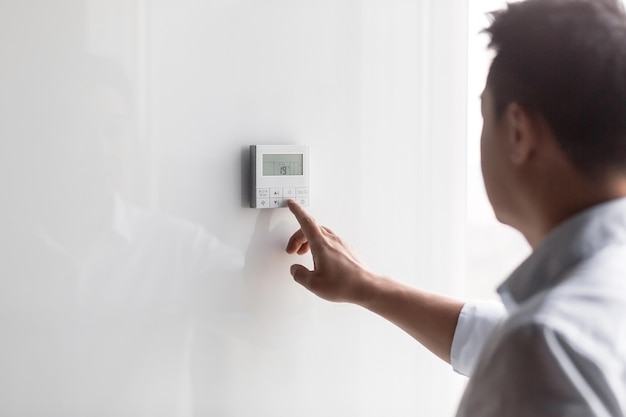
{"points": [[279, 172]]}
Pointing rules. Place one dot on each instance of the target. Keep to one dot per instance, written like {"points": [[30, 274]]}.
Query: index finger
{"points": [[308, 225]]}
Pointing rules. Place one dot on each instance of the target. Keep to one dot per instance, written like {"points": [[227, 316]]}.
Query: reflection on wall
{"points": [[99, 297], [110, 307], [133, 279]]}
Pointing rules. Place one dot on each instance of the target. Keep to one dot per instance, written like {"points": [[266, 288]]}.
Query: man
{"points": [[554, 164]]}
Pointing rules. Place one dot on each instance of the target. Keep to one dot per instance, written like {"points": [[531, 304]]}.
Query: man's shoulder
{"points": [[553, 347], [573, 334], [586, 310]]}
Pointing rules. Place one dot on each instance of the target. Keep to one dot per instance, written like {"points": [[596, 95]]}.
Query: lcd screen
{"points": [[282, 164]]}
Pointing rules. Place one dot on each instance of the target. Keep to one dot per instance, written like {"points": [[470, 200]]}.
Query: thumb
{"points": [[301, 275]]}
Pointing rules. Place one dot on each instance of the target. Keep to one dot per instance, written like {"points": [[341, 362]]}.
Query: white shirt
{"points": [[557, 346]]}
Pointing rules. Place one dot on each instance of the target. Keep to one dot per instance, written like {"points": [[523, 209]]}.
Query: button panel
{"points": [[277, 197], [278, 173]]}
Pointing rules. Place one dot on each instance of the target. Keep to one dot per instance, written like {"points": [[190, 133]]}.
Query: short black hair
{"points": [[565, 60]]}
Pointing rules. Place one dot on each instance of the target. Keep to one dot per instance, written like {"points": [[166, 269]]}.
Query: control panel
{"points": [[279, 173]]}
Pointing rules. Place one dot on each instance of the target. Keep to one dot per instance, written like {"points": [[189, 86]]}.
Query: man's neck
{"points": [[571, 200]]}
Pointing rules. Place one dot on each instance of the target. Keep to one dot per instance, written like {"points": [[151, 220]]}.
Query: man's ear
{"points": [[522, 139]]}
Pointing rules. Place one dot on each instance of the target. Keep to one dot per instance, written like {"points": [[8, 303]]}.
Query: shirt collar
{"points": [[574, 240]]}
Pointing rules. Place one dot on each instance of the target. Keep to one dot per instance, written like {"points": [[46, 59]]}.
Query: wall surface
{"points": [[134, 280]]}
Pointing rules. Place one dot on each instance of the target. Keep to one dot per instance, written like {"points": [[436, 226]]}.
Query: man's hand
{"points": [[338, 275]]}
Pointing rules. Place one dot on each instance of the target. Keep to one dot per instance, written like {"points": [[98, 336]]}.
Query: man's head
{"points": [[557, 91], [565, 60]]}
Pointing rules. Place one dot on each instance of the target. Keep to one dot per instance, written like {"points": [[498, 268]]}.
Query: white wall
{"points": [[134, 280], [494, 249]]}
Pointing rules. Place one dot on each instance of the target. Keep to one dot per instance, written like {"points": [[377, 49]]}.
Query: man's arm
{"points": [[339, 276]]}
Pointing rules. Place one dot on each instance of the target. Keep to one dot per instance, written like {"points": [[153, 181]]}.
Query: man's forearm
{"points": [[429, 318]]}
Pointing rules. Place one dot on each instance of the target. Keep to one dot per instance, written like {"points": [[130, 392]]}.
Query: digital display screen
{"points": [[282, 164]]}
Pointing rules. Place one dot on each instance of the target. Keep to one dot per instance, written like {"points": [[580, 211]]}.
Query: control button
{"points": [[262, 202], [302, 192], [304, 201], [276, 202], [262, 193], [276, 192], [289, 192]]}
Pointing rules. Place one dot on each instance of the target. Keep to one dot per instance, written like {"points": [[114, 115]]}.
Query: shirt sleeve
{"points": [[477, 321]]}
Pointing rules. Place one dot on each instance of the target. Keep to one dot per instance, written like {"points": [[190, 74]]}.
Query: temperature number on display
{"points": [[282, 164]]}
